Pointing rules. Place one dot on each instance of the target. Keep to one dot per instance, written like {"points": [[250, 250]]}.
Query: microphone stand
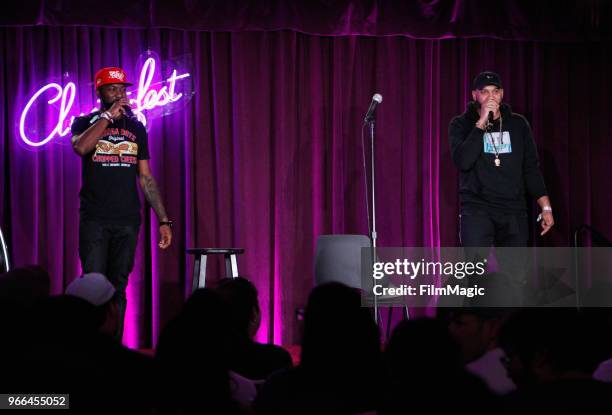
{"points": [[373, 168], [373, 236]]}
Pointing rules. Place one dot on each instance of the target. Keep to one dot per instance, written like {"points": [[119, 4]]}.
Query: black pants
{"points": [[480, 230], [109, 249]]}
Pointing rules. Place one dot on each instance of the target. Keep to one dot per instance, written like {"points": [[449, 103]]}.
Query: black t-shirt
{"points": [[109, 190]]}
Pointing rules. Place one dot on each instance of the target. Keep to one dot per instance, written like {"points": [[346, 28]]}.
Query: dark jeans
{"points": [[109, 249], [480, 230]]}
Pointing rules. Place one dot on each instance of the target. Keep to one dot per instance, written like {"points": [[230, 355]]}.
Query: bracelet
{"points": [[546, 209], [106, 115], [166, 222]]}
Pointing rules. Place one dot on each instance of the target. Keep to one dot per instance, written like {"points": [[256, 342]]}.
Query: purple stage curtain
{"points": [[550, 20], [267, 155]]}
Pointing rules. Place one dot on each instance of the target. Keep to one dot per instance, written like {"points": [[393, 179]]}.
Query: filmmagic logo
{"points": [[413, 269], [428, 290]]}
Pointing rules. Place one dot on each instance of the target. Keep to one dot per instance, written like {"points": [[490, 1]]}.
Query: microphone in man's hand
{"points": [[491, 117], [376, 99], [128, 111]]}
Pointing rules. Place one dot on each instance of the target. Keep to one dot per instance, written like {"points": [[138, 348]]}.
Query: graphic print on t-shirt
{"points": [[503, 146], [117, 148], [110, 172]]}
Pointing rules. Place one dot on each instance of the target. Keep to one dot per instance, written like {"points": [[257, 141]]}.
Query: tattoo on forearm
{"points": [[151, 192]]}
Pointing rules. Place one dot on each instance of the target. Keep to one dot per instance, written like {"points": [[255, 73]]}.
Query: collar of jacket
{"points": [[471, 113]]}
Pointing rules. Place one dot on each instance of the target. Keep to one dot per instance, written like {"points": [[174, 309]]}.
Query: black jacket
{"points": [[484, 185]]}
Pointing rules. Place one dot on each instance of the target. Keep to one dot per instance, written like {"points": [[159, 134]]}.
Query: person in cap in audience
{"points": [[97, 290]]}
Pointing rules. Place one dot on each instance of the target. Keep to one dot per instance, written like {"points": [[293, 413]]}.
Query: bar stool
{"points": [[199, 264]]}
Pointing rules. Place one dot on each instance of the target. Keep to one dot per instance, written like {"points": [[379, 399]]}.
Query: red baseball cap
{"points": [[110, 75]]}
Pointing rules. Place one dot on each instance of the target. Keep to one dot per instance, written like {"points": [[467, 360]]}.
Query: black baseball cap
{"points": [[486, 78]]}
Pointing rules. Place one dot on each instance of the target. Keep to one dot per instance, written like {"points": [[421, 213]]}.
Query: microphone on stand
{"points": [[376, 99]]}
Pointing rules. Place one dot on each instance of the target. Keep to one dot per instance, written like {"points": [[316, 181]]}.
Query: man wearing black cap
{"points": [[114, 148], [493, 149]]}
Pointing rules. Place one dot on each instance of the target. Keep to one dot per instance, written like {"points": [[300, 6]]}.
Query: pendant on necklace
{"points": [[497, 162]]}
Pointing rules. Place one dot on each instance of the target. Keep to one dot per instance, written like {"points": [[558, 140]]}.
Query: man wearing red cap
{"points": [[113, 146]]}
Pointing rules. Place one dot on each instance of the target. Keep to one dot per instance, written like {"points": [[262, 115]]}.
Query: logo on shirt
{"points": [[123, 154], [492, 142]]}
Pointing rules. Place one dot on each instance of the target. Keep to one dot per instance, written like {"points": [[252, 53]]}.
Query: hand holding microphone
{"points": [[120, 108], [487, 111], [128, 111]]}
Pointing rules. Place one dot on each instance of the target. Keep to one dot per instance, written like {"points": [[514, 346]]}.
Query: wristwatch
{"points": [[166, 222]]}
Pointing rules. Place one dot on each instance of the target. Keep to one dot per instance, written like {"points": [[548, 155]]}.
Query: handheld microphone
{"points": [[128, 111], [376, 99], [490, 117]]}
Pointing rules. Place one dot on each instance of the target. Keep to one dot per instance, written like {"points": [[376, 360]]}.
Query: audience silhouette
{"points": [[477, 359]]}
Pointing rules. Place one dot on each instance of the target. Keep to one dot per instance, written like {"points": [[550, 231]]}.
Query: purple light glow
{"points": [[147, 98], [63, 93]]}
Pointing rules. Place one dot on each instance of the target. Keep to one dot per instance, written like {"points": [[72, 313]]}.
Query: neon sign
{"points": [[149, 96]]}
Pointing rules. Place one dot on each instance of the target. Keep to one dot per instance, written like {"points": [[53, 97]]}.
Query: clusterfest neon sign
{"points": [[148, 96]]}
